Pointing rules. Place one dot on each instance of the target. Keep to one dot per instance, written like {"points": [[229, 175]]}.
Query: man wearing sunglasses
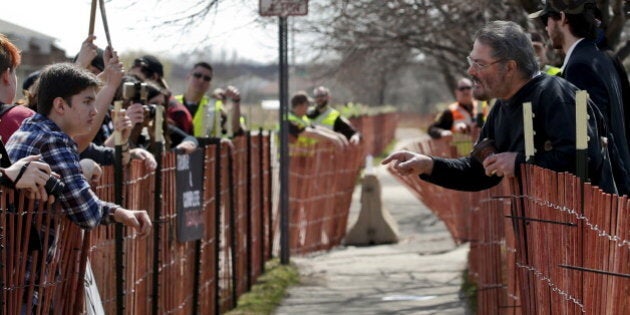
{"points": [[459, 117], [572, 27], [209, 118], [325, 116]]}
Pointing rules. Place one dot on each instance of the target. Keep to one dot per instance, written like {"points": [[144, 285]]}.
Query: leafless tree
{"points": [[376, 39], [437, 31]]}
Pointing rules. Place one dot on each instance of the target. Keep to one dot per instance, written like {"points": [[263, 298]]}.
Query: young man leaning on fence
{"points": [[503, 66], [66, 109]]}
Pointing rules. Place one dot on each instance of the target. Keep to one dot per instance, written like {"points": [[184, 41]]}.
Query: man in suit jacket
{"points": [[571, 26]]}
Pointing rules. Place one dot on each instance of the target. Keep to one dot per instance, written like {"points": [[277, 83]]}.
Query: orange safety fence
{"points": [[203, 277], [377, 131], [547, 244], [40, 256], [322, 179]]}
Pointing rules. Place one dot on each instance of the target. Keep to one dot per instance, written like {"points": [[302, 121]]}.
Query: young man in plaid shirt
{"points": [[66, 109]]}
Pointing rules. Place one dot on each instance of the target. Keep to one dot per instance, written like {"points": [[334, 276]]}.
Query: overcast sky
{"points": [[231, 28]]}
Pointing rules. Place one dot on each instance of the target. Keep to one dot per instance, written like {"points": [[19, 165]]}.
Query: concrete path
{"points": [[421, 274]]}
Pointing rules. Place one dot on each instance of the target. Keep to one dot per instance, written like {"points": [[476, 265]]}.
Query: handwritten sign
{"points": [[190, 212]]}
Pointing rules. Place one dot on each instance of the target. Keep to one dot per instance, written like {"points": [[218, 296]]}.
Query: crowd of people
{"points": [[321, 122], [508, 65], [67, 126]]}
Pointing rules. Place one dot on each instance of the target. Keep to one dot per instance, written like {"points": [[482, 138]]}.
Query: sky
{"points": [[232, 28]]}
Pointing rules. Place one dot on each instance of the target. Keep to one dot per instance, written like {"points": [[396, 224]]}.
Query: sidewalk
{"points": [[421, 274]]}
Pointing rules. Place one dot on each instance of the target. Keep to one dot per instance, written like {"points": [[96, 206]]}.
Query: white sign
{"points": [[283, 7], [270, 104]]}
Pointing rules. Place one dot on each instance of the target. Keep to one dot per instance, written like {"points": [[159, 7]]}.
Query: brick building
{"points": [[38, 50]]}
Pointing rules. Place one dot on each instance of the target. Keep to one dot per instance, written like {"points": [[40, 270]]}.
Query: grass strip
{"points": [[269, 290]]}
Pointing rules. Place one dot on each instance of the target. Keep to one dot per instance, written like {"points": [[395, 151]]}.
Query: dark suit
{"points": [[591, 70]]}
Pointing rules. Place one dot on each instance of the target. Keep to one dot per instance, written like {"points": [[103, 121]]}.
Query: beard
{"points": [[479, 92], [491, 87], [322, 104], [556, 37]]}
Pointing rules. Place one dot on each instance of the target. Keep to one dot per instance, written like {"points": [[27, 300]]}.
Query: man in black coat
{"points": [[572, 27], [503, 66]]}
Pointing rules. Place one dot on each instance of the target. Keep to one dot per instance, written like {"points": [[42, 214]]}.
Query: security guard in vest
{"points": [[326, 116], [302, 131], [209, 115], [460, 116]]}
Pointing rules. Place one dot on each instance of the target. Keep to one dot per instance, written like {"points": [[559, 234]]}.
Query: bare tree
{"points": [[374, 40], [439, 29]]}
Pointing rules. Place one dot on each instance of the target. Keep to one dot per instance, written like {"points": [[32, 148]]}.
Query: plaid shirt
{"points": [[40, 135]]}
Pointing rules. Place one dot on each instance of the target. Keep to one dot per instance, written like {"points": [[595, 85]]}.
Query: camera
{"points": [[149, 110], [54, 186], [136, 92], [483, 149]]}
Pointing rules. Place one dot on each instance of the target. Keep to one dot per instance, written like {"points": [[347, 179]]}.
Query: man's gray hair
{"points": [[509, 42]]}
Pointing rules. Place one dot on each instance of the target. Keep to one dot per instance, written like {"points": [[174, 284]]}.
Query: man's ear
{"points": [[511, 67], [59, 105], [563, 19]]}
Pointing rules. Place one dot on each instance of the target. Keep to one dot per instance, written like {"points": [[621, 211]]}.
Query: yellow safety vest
{"points": [[302, 122], [199, 124], [327, 119], [551, 70]]}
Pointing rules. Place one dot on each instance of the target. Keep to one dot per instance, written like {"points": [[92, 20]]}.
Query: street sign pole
{"points": [[283, 9], [284, 143]]}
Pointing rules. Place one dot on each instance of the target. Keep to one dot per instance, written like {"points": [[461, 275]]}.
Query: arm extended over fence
{"points": [[549, 244], [237, 214], [236, 242]]}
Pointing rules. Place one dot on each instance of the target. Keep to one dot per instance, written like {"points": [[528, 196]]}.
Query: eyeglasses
{"points": [[478, 66], [198, 75], [464, 88]]}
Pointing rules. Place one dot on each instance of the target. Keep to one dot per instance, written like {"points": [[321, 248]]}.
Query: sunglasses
{"points": [[198, 75], [464, 88]]}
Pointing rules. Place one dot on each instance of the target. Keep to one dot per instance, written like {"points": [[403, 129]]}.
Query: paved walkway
{"points": [[421, 274]]}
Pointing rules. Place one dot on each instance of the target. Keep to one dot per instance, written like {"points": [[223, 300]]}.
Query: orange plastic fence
{"points": [[229, 258], [377, 131], [554, 246], [36, 272], [239, 216], [322, 179]]}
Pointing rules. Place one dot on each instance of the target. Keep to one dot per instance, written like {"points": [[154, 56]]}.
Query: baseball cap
{"points": [[151, 63], [566, 6]]}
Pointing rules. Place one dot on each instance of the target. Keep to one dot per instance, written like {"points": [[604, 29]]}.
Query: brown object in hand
{"points": [[483, 149]]}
